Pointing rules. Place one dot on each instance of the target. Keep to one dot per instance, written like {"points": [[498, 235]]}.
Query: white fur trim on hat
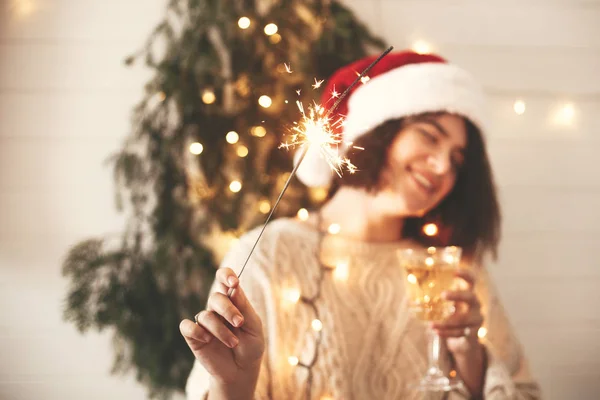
{"points": [[314, 170], [408, 90], [414, 89]]}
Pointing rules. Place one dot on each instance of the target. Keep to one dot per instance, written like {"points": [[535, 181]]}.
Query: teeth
{"points": [[422, 180]]}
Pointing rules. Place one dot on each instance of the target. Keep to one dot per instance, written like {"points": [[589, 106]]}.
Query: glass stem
{"points": [[434, 353]]}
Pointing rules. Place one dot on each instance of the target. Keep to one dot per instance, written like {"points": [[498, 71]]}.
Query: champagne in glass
{"points": [[428, 273]]}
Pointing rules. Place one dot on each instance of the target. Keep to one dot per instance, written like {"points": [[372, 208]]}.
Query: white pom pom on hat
{"points": [[402, 84], [314, 170]]}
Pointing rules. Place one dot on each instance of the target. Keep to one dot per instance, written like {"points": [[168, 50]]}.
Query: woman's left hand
{"points": [[460, 331], [461, 328]]}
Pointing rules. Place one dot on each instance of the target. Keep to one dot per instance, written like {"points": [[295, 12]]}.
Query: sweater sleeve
{"points": [[255, 284], [507, 376]]}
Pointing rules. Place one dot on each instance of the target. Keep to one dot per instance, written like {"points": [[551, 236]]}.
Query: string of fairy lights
{"points": [[338, 271], [295, 296]]}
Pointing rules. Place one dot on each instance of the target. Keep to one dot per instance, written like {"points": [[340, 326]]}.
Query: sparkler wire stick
{"points": [[287, 183]]}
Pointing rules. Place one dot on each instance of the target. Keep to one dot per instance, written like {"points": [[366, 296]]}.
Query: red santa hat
{"points": [[402, 84]]}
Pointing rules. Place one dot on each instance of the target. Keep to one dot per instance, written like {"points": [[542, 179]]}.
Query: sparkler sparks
{"points": [[316, 129], [334, 93], [363, 78], [318, 83]]}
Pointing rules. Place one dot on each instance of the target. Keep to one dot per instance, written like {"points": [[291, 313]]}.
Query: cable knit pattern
{"points": [[372, 347]]}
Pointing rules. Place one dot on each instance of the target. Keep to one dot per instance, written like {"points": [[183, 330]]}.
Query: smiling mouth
{"points": [[423, 182]]}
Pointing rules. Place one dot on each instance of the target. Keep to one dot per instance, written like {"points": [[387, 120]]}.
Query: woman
{"points": [[420, 121]]}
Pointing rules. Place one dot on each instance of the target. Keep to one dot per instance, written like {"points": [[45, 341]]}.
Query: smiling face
{"points": [[429, 168], [422, 164]]}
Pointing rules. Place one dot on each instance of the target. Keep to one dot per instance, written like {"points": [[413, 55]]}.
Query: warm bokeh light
{"points": [[421, 47], [316, 325], [303, 214], [244, 23], [196, 148], [519, 107], [341, 271], [318, 194], [292, 295], [271, 29], [276, 38], [242, 151], [232, 137], [235, 186], [334, 229], [258, 131], [264, 206], [208, 97], [565, 115], [430, 229], [265, 101], [23, 8]]}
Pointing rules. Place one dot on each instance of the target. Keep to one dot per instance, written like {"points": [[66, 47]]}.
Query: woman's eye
{"points": [[429, 136]]}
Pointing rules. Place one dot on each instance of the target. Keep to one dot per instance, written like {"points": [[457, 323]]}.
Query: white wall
{"points": [[65, 99]]}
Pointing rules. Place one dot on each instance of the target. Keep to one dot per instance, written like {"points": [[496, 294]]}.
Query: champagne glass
{"points": [[428, 273]]}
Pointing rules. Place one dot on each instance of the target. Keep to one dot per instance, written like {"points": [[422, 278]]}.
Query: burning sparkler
{"points": [[316, 129]]}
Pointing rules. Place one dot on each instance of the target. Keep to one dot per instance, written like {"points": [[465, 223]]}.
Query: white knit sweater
{"points": [[372, 348]]}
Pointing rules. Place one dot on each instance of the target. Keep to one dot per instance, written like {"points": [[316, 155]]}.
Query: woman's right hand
{"points": [[228, 339]]}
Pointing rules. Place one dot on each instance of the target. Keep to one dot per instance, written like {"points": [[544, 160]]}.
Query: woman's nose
{"points": [[439, 163]]}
